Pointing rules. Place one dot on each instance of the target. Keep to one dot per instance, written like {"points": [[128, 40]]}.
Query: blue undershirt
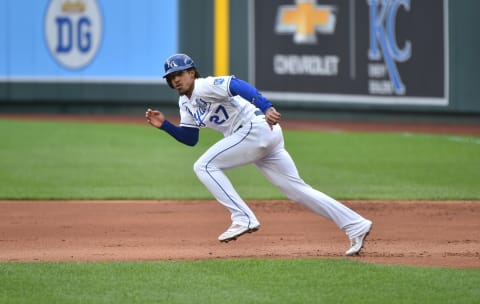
{"points": [[250, 93], [189, 136]]}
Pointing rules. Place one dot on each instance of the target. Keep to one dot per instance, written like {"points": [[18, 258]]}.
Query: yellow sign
{"points": [[305, 19]]}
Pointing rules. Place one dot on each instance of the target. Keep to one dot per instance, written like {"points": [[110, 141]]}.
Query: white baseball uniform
{"points": [[249, 139]]}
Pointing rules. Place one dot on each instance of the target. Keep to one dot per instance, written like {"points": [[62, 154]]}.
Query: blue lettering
{"points": [[64, 46], [83, 27], [216, 118], [198, 115], [385, 37], [398, 54]]}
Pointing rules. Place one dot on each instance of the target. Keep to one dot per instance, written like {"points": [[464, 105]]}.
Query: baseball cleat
{"points": [[356, 243], [235, 231]]}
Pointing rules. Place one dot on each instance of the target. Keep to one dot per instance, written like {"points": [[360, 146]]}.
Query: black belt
{"points": [[257, 113]]}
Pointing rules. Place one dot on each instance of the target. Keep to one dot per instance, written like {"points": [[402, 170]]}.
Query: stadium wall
{"points": [[408, 58]]}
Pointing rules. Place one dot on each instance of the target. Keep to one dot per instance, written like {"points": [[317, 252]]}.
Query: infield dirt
{"points": [[405, 232]]}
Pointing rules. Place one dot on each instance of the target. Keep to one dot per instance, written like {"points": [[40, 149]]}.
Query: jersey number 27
{"points": [[220, 111]]}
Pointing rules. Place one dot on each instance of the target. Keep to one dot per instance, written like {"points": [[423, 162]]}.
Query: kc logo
{"points": [[73, 31], [383, 39], [304, 19], [172, 64]]}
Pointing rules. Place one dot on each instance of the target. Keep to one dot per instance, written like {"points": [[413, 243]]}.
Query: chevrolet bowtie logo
{"points": [[304, 19]]}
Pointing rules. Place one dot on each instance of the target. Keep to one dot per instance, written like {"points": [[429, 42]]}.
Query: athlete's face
{"points": [[183, 82]]}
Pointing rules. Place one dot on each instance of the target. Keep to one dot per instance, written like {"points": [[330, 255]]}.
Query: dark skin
{"points": [[184, 82]]}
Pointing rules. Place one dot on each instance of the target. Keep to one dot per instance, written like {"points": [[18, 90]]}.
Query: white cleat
{"points": [[235, 231], [356, 243]]}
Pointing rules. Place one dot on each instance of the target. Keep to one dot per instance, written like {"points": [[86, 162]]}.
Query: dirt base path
{"points": [[406, 233]]}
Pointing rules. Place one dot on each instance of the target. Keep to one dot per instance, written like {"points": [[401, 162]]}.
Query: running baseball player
{"points": [[252, 135]]}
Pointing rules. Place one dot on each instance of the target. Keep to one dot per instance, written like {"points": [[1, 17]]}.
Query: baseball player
{"points": [[252, 134]]}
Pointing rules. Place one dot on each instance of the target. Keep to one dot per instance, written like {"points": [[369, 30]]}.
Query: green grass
{"points": [[235, 281], [61, 160]]}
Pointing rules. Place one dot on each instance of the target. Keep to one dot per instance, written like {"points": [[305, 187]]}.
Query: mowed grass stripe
{"points": [[68, 160]]}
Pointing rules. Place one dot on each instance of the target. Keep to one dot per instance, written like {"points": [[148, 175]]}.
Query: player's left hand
{"points": [[272, 116]]}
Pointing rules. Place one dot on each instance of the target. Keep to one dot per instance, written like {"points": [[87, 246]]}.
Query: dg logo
{"points": [[73, 31]]}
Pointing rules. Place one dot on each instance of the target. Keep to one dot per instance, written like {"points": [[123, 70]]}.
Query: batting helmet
{"points": [[177, 62]]}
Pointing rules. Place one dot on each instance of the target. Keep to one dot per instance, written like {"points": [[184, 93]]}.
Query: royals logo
{"points": [[383, 43], [199, 110], [172, 64], [73, 31]]}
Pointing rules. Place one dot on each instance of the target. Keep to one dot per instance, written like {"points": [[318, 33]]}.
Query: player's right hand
{"points": [[154, 118]]}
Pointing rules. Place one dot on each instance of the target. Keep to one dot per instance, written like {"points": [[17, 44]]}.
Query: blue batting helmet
{"points": [[177, 62]]}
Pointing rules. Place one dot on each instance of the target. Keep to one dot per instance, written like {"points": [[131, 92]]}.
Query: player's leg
{"points": [[280, 169], [230, 152]]}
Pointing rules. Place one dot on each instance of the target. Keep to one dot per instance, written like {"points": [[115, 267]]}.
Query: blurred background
{"points": [[402, 60]]}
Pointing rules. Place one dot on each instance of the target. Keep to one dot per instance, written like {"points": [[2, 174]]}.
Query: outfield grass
{"points": [[235, 281], [61, 160]]}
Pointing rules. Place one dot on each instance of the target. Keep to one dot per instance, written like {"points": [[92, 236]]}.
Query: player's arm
{"points": [[250, 93], [185, 135]]}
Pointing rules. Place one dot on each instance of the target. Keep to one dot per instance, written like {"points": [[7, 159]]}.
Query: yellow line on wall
{"points": [[221, 37]]}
